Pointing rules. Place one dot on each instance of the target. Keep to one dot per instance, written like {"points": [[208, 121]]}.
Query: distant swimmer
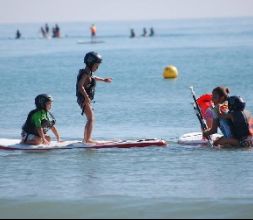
{"points": [[18, 34], [152, 32], [144, 34], [132, 33], [39, 122]]}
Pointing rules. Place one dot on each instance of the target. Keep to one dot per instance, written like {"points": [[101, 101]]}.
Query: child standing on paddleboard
{"points": [[39, 122], [85, 91]]}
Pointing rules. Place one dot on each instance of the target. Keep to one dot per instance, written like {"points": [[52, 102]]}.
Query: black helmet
{"points": [[236, 103], [92, 58], [41, 100]]}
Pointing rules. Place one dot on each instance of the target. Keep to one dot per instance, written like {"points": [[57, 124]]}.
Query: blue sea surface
{"points": [[176, 181]]}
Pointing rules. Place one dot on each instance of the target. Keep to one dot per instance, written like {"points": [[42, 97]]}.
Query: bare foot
{"points": [[91, 142]]}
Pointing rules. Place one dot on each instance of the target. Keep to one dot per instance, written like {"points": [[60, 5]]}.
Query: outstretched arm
{"points": [[107, 80]]}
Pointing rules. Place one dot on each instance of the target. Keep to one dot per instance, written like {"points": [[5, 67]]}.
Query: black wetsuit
{"points": [[241, 128], [240, 125]]}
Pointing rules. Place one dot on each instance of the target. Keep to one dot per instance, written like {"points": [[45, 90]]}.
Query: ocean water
{"points": [[176, 181]]}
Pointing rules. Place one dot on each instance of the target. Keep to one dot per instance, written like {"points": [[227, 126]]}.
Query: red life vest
{"points": [[205, 102]]}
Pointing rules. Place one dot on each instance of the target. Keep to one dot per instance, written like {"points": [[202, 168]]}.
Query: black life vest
{"points": [[240, 125], [46, 125], [89, 88]]}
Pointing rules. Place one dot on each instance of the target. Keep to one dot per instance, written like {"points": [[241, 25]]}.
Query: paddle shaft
{"points": [[200, 116]]}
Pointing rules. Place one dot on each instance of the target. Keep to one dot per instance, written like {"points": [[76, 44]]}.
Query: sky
{"points": [[22, 11]]}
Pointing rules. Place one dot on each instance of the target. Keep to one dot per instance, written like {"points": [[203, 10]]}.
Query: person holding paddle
{"points": [[219, 98]]}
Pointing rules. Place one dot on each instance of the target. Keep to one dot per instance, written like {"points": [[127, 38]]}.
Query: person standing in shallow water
{"points": [[18, 34], [152, 32], [144, 34], [47, 29], [43, 32], [132, 33], [85, 91], [56, 31]]}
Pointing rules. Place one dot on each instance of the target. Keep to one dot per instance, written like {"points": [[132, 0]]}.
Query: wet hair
{"points": [[222, 91]]}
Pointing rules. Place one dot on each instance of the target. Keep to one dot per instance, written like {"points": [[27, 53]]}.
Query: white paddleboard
{"points": [[196, 138], [14, 144]]}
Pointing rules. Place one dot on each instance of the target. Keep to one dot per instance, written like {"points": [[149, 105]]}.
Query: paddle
{"points": [[200, 116]]}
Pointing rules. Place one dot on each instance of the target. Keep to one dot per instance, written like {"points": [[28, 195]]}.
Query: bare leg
{"points": [[227, 142], [89, 124], [36, 141]]}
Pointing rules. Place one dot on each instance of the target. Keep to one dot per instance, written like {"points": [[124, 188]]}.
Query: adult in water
{"points": [[219, 98], [39, 122], [85, 91]]}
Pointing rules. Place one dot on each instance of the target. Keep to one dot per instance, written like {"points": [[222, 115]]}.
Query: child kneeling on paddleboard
{"points": [[85, 90], [241, 123], [219, 98], [39, 122]]}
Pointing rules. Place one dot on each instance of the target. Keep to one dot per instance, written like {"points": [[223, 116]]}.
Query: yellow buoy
{"points": [[170, 72]]}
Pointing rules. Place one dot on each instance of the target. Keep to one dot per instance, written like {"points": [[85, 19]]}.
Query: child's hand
{"points": [[45, 141], [58, 138], [205, 134], [108, 80]]}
